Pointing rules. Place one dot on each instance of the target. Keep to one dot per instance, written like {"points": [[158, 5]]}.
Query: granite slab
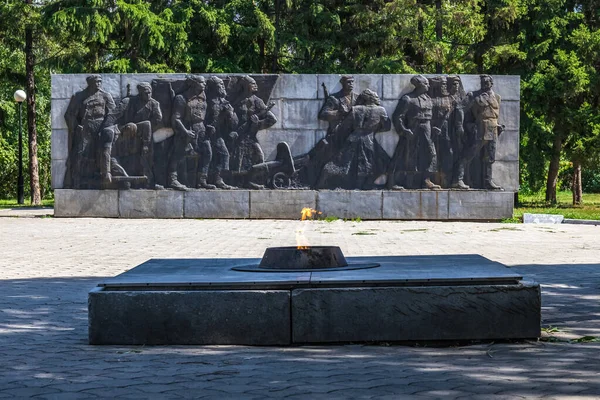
{"points": [[394, 270], [185, 273]]}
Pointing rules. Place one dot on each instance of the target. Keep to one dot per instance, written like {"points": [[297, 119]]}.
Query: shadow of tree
{"points": [[44, 351], [570, 296]]}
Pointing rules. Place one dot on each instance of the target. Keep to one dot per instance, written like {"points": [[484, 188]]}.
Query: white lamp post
{"points": [[20, 97]]}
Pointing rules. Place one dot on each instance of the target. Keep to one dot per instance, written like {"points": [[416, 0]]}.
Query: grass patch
{"points": [[587, 339], [12, 203], [550, 329], [549, 230], [536, 204], [505, 228], [332, 218], [553, 339]]}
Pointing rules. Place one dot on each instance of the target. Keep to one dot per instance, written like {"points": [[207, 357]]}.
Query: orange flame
{"points": [[301, 241], [308, 213]]}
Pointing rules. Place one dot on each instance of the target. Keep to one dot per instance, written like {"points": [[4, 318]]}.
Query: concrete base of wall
{"points": [[286, 204]]}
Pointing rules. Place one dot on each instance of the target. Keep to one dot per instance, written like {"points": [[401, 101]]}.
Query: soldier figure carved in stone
{"points": [[253, 116], [448, 96], [187, 120], [412, 120], [360, 159], [457, 117], [337, 106], [440, 129], [482, 111], [132, 137], [88, 112], [221, 123]]}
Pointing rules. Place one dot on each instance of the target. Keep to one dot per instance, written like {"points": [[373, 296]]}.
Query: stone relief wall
{"points": [[285, 131]]}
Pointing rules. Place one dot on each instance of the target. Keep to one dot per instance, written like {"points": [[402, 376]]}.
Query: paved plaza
{"points": [[49, 264]]}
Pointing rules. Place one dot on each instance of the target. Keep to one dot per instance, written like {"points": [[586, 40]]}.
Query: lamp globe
{"points": [[20, 96]]}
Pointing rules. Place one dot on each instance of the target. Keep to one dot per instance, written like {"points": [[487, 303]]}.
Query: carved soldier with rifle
{"points": [[221, 124], [253, 115], [189, 111], [335, 108]]}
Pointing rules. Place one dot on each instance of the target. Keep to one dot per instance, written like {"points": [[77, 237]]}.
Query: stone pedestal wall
{"points": [[285, 204]]}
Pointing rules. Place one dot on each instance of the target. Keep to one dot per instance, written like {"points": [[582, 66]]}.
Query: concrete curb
{"points": [[581, 221], [27, 212]]}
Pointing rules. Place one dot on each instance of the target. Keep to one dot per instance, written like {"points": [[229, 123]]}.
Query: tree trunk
{"points": [[553, 170], [577, 188], [438, 31], [420, 56], [34, 178], [275, 61], [478, 58]]}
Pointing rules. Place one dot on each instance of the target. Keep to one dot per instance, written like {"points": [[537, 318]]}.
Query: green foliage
{"points": [[590, 178], [550, 329], [587, 339], [553, 44], [122, 36], [560, 86]]}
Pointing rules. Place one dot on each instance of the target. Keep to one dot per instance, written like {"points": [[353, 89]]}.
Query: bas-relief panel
{"points": [[366, 132]]}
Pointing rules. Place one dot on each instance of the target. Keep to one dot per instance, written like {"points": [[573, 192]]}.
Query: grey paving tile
{"points": [[43, 313]]}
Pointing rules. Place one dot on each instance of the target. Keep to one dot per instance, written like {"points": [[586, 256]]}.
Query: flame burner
{"points": [[303, 259]]}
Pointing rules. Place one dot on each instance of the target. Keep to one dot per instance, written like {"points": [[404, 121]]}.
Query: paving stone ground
{"points": [[49, 264]]}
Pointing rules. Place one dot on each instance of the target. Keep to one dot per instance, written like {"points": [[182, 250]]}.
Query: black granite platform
{"points": [[395, 270], [204, 301]]}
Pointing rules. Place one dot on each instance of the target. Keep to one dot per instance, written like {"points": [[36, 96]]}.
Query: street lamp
{"points": [[20, 97]]}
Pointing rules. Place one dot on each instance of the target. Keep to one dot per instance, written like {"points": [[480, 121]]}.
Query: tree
{"points": [[584, 143], [11, 39], [32, 19], [121, 36], [559, 91]]}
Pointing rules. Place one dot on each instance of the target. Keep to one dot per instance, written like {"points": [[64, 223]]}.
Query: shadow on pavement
{"points": [[43, 346], [570, 296]]}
